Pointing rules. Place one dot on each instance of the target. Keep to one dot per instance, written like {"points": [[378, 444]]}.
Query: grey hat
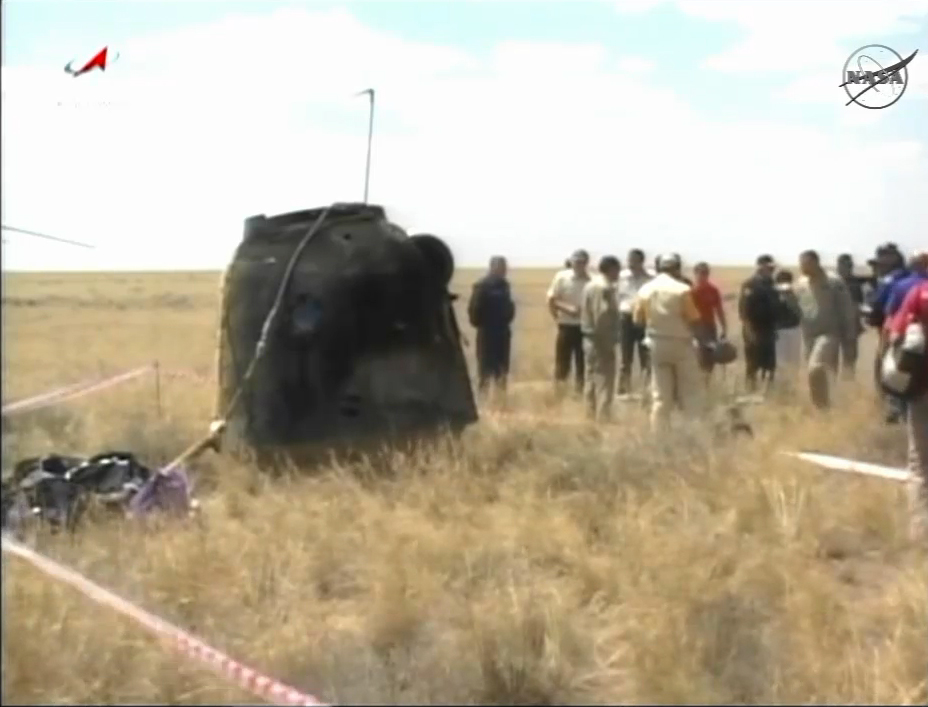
{"points": [[669, 260]]}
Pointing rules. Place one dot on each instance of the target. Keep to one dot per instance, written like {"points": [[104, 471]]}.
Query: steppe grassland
{"points": [[540, 560]]}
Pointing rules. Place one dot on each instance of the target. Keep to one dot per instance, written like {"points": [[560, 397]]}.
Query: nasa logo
{"points": [[875, 76]]}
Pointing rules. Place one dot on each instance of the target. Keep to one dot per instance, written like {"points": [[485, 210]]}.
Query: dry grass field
{"points": [[538, 560]]}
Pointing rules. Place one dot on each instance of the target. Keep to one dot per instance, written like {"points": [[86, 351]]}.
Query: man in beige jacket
{"points": [[600, 326], [829, 324], [665, 307]]}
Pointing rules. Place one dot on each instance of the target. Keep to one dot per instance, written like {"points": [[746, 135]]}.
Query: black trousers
{"points": [[568, 348], [760, 357], [631, 340], [493, 351]]}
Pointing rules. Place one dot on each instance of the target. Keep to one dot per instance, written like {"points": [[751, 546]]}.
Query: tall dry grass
{"points": [[537, 560]]}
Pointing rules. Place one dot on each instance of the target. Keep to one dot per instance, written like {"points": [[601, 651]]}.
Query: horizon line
{"points": [[203, 271]]}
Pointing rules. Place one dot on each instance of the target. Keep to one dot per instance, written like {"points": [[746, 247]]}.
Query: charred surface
{"points": [[365, 347]]}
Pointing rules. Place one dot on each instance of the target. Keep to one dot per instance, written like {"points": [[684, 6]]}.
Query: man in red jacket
{"points": [[914, 310]]}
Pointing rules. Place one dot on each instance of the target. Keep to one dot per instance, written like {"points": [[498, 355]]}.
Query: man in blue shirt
{"points": [[889, 268], [918, 271], [897, 291], [491, 310]]}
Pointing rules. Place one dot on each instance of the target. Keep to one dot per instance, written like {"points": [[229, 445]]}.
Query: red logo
{"points": [[99, 61]]}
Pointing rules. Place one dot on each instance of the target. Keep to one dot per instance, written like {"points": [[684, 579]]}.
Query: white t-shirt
{"points": [[568, 288], [628, 288], [789, 348]]}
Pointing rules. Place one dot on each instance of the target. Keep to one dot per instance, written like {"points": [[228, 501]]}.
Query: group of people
{"points": [[677, 330], [608, 320]]}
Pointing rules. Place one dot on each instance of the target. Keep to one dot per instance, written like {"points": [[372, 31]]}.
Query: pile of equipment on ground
{"points": [[57, 490]]}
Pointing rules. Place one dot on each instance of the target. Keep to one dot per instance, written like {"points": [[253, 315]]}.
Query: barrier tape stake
{"points": [[157, 369]]}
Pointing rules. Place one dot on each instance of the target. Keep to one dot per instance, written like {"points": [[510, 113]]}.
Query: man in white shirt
{"points": [[632, 336], [565, 297]]}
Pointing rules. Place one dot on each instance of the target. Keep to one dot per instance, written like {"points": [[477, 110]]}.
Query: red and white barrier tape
{"points": [[79, 390], [248, 679], [188, 645], [184, 375]]}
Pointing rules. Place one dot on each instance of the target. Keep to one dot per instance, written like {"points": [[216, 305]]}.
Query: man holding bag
{"points": [[906, 332], [708, 300]]}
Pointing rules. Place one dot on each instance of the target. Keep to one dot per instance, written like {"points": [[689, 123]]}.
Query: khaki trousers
{"points": [[599, 390], [675, 380], [821, 353]]}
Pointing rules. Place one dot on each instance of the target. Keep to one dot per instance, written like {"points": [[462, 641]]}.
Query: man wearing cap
{"points": [[918, 271], [890, 267], [829, 323], [759, 309], [491, 311], [855, 288], [631, 279], [565, 297], [665, 307], [599, 323]]}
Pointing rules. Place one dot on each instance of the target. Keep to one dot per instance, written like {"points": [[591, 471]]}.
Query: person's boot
{"points": [[624, 383], [895, 410]]}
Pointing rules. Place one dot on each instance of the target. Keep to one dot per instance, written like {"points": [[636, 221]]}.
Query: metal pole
{"points": [[370, 139]]}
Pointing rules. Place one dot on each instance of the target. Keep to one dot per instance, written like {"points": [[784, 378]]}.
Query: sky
{"points": [[713, 128]]}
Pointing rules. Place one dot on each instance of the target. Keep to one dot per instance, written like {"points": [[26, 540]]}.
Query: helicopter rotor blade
{"points": [[36, 234]]}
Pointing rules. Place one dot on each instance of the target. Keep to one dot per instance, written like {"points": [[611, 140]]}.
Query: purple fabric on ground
{"points": [[169, 492]]}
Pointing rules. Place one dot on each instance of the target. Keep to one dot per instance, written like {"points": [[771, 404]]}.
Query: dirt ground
{"points": [[538, 560]]}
